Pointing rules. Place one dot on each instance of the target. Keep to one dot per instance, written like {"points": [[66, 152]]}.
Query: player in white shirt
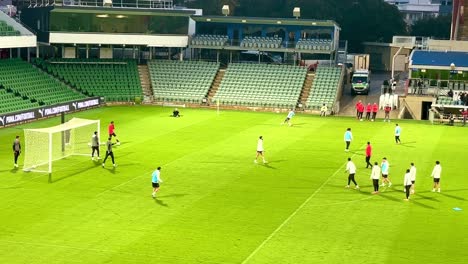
{"points": [[413, 176], [375, 176], [407, 183], [260, 150], [436, 175], [351, 169], [289, 117]]}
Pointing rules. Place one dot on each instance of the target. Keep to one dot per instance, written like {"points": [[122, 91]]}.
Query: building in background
{"points": [[414, 10], [459, 30]]}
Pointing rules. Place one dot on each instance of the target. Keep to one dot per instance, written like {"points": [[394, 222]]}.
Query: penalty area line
{"points": [[286, 221]]}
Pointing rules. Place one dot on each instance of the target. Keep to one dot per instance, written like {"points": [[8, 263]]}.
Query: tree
{"points": [[370, 20], [436, 27]]}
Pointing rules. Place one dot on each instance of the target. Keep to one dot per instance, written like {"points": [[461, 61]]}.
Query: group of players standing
{"points": [[382, 171], [371, 111], [95, 143]]}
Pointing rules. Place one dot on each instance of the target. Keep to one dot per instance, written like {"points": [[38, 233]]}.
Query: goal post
{"points": [[43, 146]]}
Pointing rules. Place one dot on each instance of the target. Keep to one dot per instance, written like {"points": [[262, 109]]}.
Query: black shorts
{"points": [[436, 179], [155, 184], [113, 134], [413, 182], [287, 119], [260, 152], [384, 176], [351, 175]]}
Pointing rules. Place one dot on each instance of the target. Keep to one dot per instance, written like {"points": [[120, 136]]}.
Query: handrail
{"points": [[12, 19]]}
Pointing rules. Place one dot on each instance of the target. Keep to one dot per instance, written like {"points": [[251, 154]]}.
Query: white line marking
{"points": [[104, 251], [293, 214]]}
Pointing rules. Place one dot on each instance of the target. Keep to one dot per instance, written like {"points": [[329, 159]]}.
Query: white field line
{"points": [[246, 260]]}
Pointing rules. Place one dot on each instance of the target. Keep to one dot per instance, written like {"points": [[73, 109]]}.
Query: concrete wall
{"points": [[449, 45], [414, 104], [381, 56], [119, 39]]}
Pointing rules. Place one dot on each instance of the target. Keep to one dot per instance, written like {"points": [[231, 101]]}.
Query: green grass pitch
{"points": [[217, 206]]}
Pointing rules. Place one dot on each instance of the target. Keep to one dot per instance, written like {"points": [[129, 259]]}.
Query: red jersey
{"points": [[369, 108], [388, 109], [111, 129], [375, 108], [465, 113], [358, 105], [368, 151], [361, 108]]}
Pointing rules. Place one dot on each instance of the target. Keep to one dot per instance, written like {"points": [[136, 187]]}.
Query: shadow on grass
{"points": [[267, 165], [444, 193], [421, 204], [276, 161], [452, 196], [355, 152], [408, 144], [160, 202], [298, 124], [418, 194], [53, 179], [399, 200], [173, 195], [391, 198]]}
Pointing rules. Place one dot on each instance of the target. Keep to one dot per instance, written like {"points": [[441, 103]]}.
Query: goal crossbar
{"points": [[43, 146]]}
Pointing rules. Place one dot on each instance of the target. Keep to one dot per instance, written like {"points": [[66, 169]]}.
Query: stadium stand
{"points": [[314, 44], [9, 102], [264, 85], [210, 40], [261, 42], [115, 80], [182, 81], [7, 30], [324, 88], [23, 79]]}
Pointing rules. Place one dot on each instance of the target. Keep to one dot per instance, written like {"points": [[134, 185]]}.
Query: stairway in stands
{"points": [[216, 83], [145, 81], [306, 88]]}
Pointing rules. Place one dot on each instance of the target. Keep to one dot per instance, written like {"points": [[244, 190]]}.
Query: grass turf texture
{"points": [[217, 206]]}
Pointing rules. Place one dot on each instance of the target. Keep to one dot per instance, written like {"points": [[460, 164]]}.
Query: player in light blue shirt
{"points": [[156, 179], [289, 117], [385, 166], [348, 137], [397, 134]]}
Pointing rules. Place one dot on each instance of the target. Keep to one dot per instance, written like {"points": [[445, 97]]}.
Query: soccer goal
{"points": [[43, 146]]}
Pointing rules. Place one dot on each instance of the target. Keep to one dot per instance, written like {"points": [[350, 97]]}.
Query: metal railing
{"points": [[159, 4], [10, 19]]}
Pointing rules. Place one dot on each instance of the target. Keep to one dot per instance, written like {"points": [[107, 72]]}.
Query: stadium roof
{"points": [[266, 21], [126, 11], [438, 59]]}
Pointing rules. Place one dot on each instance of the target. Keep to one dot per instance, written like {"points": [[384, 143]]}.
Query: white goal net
{"points": [[43, 146]]}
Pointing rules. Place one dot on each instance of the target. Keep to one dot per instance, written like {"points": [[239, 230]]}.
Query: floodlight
{"points": [[107, 3], [297, 12], [225, 10]]}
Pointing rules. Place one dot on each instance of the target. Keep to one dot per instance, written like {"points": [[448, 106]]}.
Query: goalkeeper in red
{"points": [[112, 132]]}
